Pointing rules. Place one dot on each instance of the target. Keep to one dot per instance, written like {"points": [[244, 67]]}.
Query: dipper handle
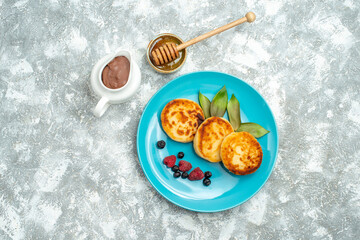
{"points": [[249, 17]]}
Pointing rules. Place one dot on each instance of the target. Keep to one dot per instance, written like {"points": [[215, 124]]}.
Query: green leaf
{"points": [[219, 103], [205, 104], [253, 128], [233, 109]]}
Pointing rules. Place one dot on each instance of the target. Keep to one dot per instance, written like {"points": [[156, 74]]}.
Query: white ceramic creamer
{"points": [[110, 96]]}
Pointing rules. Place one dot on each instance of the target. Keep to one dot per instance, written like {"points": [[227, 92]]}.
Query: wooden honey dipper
{"points": [[169, 51]]}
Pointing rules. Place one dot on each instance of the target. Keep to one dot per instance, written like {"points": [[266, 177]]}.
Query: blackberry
{"points": [[208, 174], [184, 175], [161, 144], [180, 155], [175, 168], [206, 182]]}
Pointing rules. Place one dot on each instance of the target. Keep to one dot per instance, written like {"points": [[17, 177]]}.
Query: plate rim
{"points": [[192, 208]]}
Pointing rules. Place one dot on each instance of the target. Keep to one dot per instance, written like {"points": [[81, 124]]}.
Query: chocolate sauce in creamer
{"points": [[116, 73]]}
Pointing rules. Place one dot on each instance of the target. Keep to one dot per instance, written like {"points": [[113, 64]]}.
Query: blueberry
{"points": [[206, 182], [208, 174], [181, 155], [177, 174], [184, 175], [175, 168], [161, 144]]}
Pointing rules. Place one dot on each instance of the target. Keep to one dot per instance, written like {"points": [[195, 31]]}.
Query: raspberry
{"points": [[196, 174], [170, 161], [184, 166]]}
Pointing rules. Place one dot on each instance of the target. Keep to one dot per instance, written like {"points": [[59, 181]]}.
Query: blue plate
{"points": [[226, 190]]}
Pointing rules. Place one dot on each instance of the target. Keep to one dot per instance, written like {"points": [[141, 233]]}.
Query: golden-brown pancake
{"points": [[180, 119], [209, 137], [241, 153]]}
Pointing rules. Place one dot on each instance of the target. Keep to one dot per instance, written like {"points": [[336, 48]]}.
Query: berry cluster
{"points": [[184, 166]]}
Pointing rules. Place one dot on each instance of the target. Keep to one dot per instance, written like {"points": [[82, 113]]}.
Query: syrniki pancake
{"points": [[180, 119], [209, 137], [241, 153]]}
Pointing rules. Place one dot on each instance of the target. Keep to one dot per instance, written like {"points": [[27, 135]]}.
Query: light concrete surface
{"points": [[65, 174]]}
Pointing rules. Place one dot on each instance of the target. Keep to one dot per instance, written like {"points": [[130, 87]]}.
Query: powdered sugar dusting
{"points": [[10, 221], [22, 66], [272, 7], [108, 229], [227, 230], [256, 209], [44, 213], [354, 113], [53, 167], [76, 42]]}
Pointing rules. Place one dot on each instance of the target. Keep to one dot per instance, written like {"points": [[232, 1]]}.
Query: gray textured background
{"points": [[65, 174]]}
